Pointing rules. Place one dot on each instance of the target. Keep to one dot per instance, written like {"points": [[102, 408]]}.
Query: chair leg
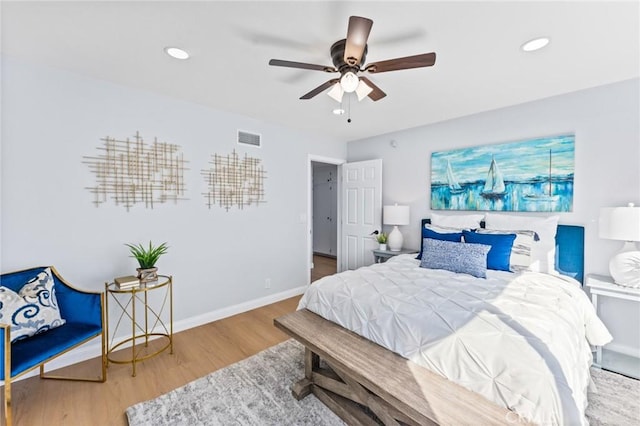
{"points": [[7, 402], [6, 333], [105, 360]]}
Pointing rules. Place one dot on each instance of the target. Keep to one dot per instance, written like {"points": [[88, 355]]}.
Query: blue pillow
{"points": [[462, 258], [501, 244], [430, 233]]}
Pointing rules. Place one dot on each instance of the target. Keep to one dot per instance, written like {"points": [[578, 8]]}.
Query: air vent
{"points": [[246, 138]]}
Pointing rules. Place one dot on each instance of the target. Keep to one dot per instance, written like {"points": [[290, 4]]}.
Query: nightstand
{"points": [[601, 285], [382, 256]]}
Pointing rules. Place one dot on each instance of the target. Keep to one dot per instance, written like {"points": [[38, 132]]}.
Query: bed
{"points": [[401, 343]]}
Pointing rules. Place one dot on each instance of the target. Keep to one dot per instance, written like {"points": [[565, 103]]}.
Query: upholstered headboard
{"points": [[569, 249]]}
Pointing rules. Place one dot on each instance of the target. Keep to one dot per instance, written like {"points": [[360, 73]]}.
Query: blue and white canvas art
{"points": [[525, 176]]}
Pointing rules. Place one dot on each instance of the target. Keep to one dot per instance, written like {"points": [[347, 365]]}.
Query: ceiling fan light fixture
{"points": [[363, 90], [336, 92], [176, 52], [349, 81], [535, 44], [349, 58]]}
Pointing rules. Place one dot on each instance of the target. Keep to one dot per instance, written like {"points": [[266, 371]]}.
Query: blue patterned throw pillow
{"points": [[463, 258], [440, 233], [34, 309]]}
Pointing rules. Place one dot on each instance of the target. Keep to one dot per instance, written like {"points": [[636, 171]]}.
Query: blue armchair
{"points": [[83, 315]]}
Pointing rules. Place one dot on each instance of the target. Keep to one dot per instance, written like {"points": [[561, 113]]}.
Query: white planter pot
{"points": [[383, 247]]}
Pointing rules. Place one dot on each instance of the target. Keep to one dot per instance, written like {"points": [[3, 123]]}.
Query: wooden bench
{"points": [[364, 374]]}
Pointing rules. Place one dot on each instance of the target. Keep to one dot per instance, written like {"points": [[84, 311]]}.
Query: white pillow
{"points": [[33, 310], [467, 221], [543, 253], [444, 229]]}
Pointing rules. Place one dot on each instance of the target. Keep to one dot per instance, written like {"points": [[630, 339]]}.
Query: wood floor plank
{"points": [[198, 351], [322, 266]]}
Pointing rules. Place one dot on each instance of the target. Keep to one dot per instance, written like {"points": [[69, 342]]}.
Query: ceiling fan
{"points": [[348, 56]]}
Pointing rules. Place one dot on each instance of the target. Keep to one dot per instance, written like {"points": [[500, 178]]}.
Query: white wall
{"points": [[52, 118], [606, 123]]}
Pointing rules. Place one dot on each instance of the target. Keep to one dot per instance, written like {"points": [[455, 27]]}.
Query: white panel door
{"points": [[361, 212]]}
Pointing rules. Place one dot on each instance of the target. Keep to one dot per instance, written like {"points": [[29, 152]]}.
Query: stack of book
{"points": [[127, 282]]}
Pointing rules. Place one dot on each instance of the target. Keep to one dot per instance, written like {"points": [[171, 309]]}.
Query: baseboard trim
{"points": [[235, 309], [624, 349], [327, 255], [92, 349]]}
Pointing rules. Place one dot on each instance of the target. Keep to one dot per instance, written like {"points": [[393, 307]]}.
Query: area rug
{"points": [[256, 391], [617, 401]]}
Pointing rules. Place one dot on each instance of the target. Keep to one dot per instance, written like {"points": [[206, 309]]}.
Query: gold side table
{"points": [[153, 325]]}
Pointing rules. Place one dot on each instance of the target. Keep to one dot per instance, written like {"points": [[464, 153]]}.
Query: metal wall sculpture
{"points": [[131, 172], [232, 181]]}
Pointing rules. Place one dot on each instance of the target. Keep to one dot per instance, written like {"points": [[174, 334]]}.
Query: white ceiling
{"points": [[479, 65]]}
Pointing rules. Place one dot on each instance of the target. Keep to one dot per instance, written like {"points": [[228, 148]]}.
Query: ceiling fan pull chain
{"points": [[348, 107]]}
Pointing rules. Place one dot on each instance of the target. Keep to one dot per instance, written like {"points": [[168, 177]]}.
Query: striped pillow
{"points": [[520, 259]]}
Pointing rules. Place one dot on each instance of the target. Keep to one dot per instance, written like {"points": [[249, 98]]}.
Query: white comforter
{"points": [[521, 340]]}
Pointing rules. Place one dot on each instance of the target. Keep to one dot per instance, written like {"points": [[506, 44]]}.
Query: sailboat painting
{"points": [[529, 175], [494, 183], [454, 186]]}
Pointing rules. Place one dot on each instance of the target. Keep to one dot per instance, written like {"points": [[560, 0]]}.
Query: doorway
{"points": [[324, 216], [325, 209]]}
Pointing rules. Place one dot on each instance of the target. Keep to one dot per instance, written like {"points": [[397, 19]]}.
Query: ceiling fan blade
{"points": [[417, 61], [357, 35], [376, 94], [320, 89], [291, 64]]}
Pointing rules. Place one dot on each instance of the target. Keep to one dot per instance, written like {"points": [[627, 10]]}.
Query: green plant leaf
{"points": [[147, 257], [382, 238]]}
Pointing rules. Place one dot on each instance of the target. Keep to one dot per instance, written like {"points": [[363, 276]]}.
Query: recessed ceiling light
{"points": [[535, 44], [177, 53]]}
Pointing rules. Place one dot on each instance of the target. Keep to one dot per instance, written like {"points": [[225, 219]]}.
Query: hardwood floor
{"points": [[322, 266], [197, 352]]}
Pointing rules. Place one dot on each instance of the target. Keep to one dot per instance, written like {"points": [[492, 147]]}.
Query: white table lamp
{"points": [[623, 223], [395, 215]]}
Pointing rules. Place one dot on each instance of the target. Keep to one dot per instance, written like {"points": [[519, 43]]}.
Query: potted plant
{"points": [[382, 240], [147, 258]]}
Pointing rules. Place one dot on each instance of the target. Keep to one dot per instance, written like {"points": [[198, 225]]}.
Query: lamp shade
{"points": [[623, 223], [336, 92], [363, 90], [620, 223], [349, 81], [395, 215]]}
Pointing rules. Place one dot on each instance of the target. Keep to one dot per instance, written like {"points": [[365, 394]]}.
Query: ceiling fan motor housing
{"points": [[337, 56]]}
